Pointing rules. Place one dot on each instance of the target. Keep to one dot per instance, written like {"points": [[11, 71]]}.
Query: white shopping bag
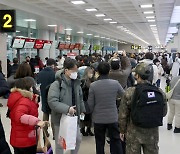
{"points": [[68, 132]]}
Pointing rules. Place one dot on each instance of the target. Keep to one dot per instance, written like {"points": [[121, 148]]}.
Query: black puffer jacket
{"points": [[4, 89], [4, 147]]}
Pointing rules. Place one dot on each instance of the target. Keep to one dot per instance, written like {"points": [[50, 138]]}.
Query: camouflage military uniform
{"points": [[136, 137]]}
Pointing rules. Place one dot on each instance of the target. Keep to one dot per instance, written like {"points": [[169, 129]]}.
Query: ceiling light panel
{"points": [[176, 15], [68, 29], [148, 12], [29, 20], [151, 20], [146, 6], [100, 15], [78, 2], [150, 17], [80, 32], [91, 10], [52, 25], [113, 22], [108, 19], [172, 30]]}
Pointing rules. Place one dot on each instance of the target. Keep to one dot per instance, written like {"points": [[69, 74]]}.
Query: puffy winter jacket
{"points": [[23, 115]]}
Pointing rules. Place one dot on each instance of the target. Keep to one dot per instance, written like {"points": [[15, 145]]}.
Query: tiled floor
{"points": [[169, 142]]}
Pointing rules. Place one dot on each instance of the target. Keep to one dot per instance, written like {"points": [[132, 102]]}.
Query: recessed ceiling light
{"points": [[29, 20], [100, 15], [126, 30], [52, 25], [18, 31], [113, 22], [152, 25], [119, 26], [108, 38], [96, 36], [150, 17], [78, 2], [89, 34], [108, 19], [146, 6], [148, 12], [151, 20], [91, 10], [80, 32], [102, 37], [68, 29]]}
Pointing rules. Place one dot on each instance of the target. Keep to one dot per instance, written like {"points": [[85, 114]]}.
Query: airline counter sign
{"points": [[7, 21]]}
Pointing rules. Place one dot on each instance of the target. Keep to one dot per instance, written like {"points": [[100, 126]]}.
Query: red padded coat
{"points": [[22, 102]]}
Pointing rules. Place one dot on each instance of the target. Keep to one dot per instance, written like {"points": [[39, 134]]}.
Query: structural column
{"points": [[178, 26], [44, 35], [3, 52], [52, 53]]}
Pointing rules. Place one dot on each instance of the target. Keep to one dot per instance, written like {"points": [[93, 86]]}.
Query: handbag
{"points": [[47, 149], [68, 132], [170, 93]]}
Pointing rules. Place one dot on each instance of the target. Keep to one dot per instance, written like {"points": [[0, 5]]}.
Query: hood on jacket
{"points": [[147, 61], [16, 95]]}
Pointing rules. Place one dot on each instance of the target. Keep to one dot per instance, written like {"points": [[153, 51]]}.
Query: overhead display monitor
{"points": [[67, 46], [18, 43], [80, 47], [61, 46], [47, 45], [39, 44], [72, 46], [29, 43], [7, 21]]}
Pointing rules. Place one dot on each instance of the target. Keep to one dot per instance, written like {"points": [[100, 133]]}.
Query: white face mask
{"points": [[73, 75]]}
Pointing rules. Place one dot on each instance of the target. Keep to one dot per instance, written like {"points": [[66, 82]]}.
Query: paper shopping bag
{"points": [[68, 132]]}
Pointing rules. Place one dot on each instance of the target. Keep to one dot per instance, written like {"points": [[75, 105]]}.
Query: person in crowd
{"points": [[174, 105], [0, 66], [45, 61], [24, 70], [4, 88], [67, 99], [28, 60], [23, 106], [148, 59], [87, 79], [133, 60], [120, 69], [60, 62], [4, 147], [176, 66], [45, 78], [9, 68], [14, 66], [160, 71], [102, 105], [32, 63], [139, 138], [39, 63]]}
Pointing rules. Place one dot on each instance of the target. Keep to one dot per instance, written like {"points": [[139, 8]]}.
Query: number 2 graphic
{"points": [[6, 24]]}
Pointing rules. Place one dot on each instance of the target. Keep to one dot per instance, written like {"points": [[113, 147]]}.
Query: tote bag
{"points": [[68, 132], [170, 93]]}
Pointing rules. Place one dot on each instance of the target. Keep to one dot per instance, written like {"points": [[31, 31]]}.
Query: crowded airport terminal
{"points": [[89, 76]]}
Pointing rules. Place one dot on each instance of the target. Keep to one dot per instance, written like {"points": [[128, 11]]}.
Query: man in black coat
{"points": [[45, 78], [4, 89], [14, 66]]}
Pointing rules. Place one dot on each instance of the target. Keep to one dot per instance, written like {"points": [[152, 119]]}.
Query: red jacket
{"points": [[22, 102]]}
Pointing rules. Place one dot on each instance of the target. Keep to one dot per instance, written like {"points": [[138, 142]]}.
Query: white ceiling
{"points": [[126, 12]]}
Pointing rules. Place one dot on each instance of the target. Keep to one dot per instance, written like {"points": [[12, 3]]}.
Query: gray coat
{"points": [[60, 99], [102, 100], [176, 92]]}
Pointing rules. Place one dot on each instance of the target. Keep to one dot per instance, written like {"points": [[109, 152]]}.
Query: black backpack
{"points": [[47, 90], [147, 106]]}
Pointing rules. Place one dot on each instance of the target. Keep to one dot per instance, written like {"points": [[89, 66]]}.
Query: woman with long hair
{"points": [[87, 79]]}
